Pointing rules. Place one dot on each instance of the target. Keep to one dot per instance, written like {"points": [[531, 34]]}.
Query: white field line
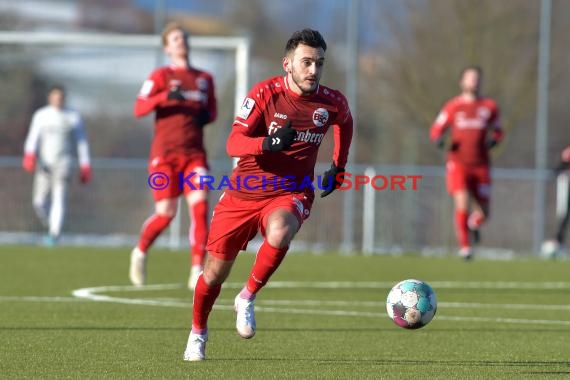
{"points": [[92, 294], [38, 299]]}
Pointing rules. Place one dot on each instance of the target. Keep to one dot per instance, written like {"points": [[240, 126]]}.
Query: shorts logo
{"points": [[246, 108], [320, 117], [300, 207]]}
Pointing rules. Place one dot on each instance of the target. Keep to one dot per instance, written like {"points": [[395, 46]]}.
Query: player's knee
{"points": [[280, 236], [215, 273]]}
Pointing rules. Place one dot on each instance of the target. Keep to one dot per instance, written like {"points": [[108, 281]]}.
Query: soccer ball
{"points": [[411, 304], [550, 249]]}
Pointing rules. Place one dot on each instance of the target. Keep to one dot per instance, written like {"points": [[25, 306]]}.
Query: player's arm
{"points": [[82, 151], [31, 144], [152, 93], [249, 135], [211, 109], [440, 125], [342, 133], [496, 130]]}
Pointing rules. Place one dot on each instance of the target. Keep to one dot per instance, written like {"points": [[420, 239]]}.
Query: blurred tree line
{"points": [[415, 69]]}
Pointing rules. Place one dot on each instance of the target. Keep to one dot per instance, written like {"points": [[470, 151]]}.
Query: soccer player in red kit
{"points": [[276, 135], [475, 129], [183, 100]]}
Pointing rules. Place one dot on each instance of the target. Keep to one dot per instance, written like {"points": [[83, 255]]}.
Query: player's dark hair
{"points": [[307, 37], [56, 87], [475, 68]]}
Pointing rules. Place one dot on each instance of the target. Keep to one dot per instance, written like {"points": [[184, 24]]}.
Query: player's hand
{"points": [[282, 139], [202, 118], [29, 162], [175, 93], [440, 143], [85, 174], [491, 143], [330, 180]]}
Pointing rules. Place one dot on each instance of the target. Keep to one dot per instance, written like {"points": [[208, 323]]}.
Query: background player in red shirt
{"points": [[475, 129], [276, 135], [184, 102]]}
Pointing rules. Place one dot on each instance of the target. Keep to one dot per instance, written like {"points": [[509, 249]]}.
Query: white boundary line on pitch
{"points": [[93, 294]]}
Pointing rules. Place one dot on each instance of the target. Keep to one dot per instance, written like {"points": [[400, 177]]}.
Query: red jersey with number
{"points": [[177, 128], [270, 105], [470, 123]]}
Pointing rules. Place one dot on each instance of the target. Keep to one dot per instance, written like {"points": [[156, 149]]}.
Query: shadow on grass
{"points": [[298, 329], [389, 362]]}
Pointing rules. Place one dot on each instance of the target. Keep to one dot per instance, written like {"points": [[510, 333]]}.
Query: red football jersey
{"points": [[176, 129], [268, 107], [470, 122]]}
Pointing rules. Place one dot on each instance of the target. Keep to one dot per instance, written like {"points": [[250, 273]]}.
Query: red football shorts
{"points": [[164, 174], [475, 179], [235, 221]]}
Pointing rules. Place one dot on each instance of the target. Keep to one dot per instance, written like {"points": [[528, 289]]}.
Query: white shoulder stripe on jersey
{"points": [[240, 123]]}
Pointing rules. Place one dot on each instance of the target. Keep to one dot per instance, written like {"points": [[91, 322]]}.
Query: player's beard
{"points": [[305, 86]]}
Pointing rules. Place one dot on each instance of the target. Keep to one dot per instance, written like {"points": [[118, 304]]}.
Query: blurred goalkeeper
{"points": [[55, 134], [276, 135], [183, 100], [475, 130]]}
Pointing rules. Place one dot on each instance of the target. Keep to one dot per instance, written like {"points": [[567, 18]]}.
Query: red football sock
{"points": [[204, 298], [151, 228], [461, 228], [198, 234], [267, 261]]}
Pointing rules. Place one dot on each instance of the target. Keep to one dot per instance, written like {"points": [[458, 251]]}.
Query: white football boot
{"points": [[137, 271], [195, 272], [196, 347], [466, 253], [245, 318]]}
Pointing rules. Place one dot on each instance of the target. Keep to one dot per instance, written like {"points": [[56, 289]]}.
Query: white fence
{"points": [[112, 208]]}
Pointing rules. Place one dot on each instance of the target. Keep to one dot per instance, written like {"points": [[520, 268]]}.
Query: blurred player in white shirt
{"points": [[56, 137]]}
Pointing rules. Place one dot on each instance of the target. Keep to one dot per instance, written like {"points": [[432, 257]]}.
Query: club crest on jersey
{"points": [[320, 117], [246, 108], [202, 84], [483, 112]]}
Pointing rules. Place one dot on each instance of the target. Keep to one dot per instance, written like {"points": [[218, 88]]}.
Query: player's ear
{"points": [[287, 64]]}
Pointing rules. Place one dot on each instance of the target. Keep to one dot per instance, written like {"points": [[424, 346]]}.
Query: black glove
{"points": [[281, 139], [439, 143], [562, 166], [203, 117], [175, 93], [330, 182], [491, 143]]}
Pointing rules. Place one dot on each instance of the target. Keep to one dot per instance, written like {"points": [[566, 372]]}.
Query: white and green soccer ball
{"points": [[411, 304], [550, 249]]}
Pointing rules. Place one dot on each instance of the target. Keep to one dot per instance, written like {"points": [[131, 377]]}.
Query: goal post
{"points": [[240, 46], [236, 49]]}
